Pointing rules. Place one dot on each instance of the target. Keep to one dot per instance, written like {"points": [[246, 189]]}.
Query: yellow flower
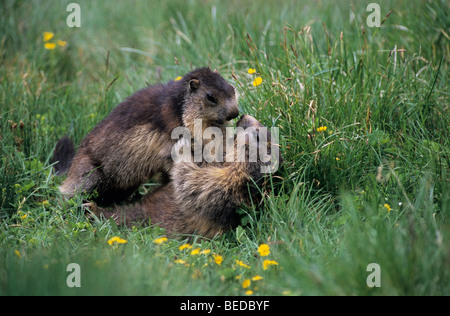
{"points": [[195, 251], [205, 252], [246, 283], [50, 45], [257, 278], [240, 263], [46, 36], [116, 240], [24, 216], [257, 81], [185, 246], [268, 263], [178, 78], [248, 292], [180, 261], [322, 129], [264, 250], [218, 259], [159, 241], [387, 207], [61, 43], [17, 252], [251, 71]]}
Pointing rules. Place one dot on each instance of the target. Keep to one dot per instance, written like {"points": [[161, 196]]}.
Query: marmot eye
{"points": [[211, 98]]}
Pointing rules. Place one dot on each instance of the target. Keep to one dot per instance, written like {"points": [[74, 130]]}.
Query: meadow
{"points": [[364, 132]]}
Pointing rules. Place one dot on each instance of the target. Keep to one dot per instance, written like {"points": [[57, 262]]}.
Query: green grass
{"points": [[382, 93]]}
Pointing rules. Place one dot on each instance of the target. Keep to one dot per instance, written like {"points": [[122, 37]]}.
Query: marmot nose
{"points": [[233, 114]]}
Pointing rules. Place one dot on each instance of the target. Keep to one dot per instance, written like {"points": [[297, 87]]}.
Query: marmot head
{"points": [[208, 97], [261, 152]]}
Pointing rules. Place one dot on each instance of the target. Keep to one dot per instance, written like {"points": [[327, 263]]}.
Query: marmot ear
{"points": [[194, 84]]}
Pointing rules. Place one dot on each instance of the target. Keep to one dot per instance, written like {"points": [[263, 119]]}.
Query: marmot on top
{"points": [[201, 198], [133, 142]]}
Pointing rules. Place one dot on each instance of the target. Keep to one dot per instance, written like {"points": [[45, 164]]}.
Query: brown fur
{"points": [[201, 198], [63, 155], [133, 142]]}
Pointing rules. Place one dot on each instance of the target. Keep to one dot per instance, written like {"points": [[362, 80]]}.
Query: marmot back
{"points": [[133, 142]]}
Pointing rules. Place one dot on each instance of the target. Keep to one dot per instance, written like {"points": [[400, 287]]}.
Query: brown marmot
{"points": [[133, 142], [202, 198]]}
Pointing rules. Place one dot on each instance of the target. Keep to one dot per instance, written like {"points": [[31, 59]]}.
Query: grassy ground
{"points": [[370, 188]]}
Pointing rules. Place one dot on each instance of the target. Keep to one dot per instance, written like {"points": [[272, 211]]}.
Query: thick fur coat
{"points": [[201, 198], [134, 142]]}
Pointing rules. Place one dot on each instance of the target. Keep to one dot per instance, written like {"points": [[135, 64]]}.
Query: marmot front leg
{"points": [[83, 177]]}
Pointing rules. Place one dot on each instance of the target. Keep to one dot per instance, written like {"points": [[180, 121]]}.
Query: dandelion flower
{"points": [[257, 81], [116, 240], [50, 46], [178, 78], [24, 216], [159, 241], [251, 71], [17, 252], [246, 283], [218, 259], [268, 263], [185, 246], [257, 278], [242, 264], [248, 292], [195, 251], [180, 261], [205, 252], [46, 36], [387, 207], [61, 43], [264, 250], [322, 129]]}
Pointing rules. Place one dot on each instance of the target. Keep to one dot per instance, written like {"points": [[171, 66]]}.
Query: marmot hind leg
{"points": [[93, 211], [133, 214]]}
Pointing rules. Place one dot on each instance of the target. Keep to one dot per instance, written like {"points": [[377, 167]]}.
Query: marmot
{"points": [[201, 198], [133, 142]]}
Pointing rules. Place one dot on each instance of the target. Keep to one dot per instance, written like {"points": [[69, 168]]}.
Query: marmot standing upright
{"points": [[201, 198], [134, 142]]}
